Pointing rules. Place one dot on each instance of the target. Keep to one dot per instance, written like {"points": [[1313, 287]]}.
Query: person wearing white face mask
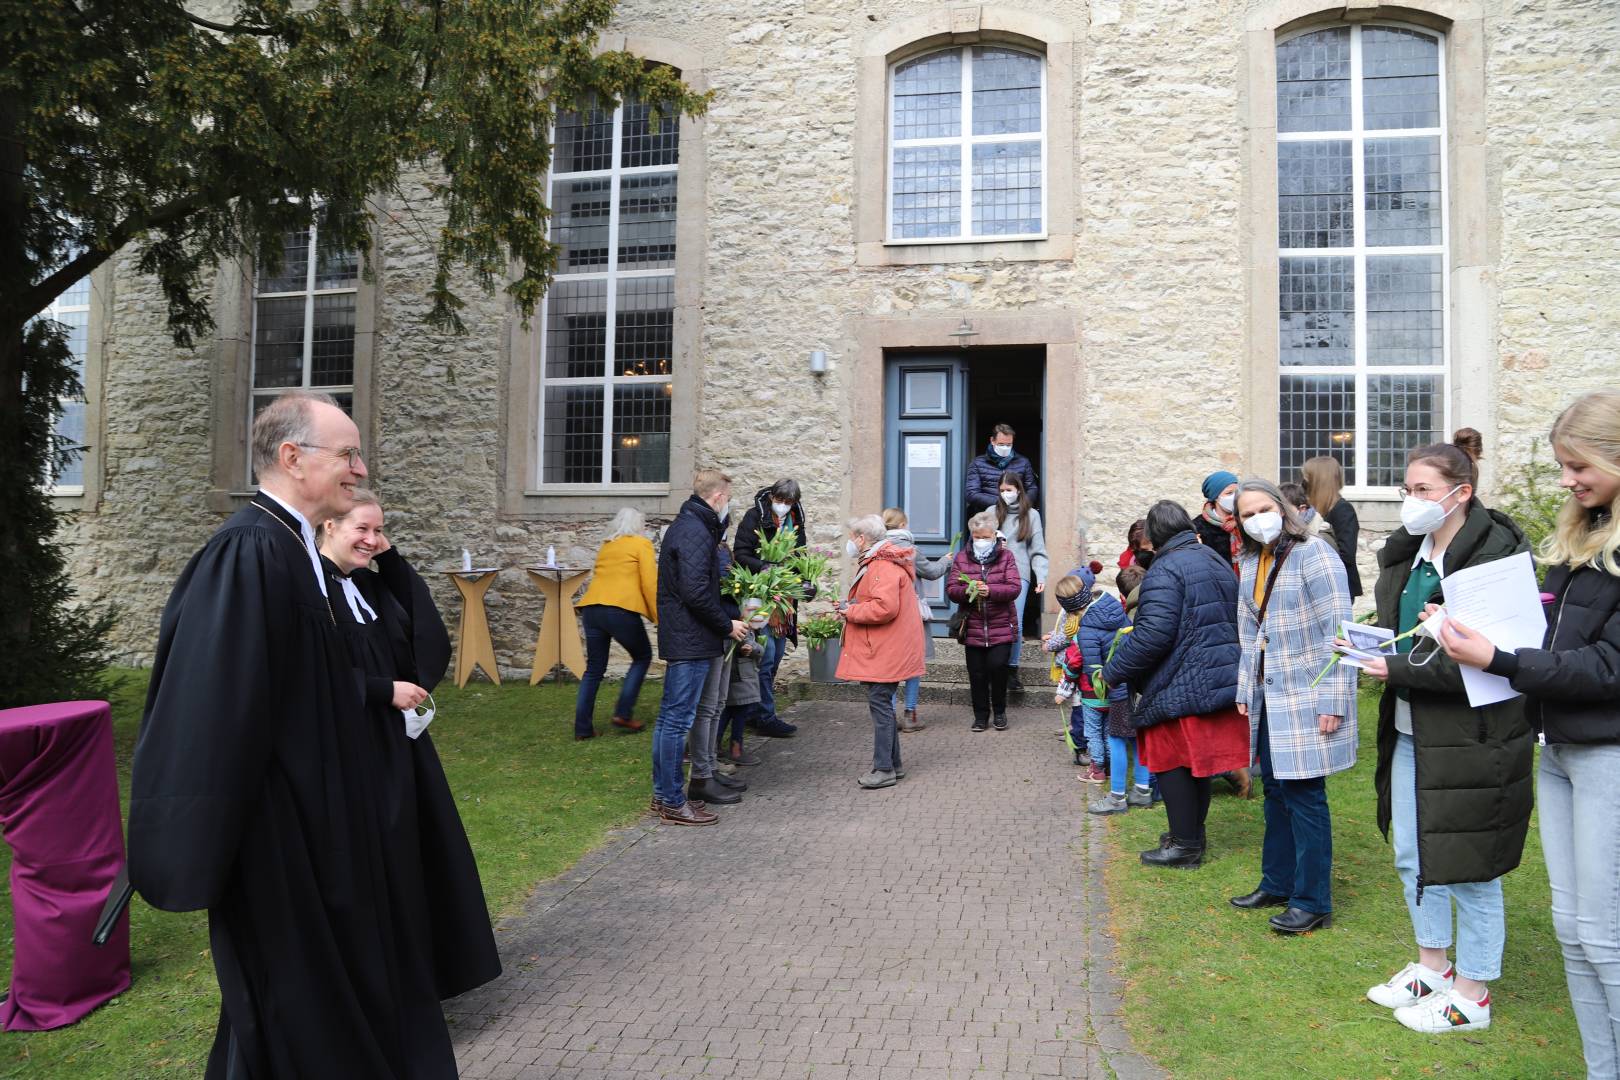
{"points": [[1292, 595], [984, 581], [984, 472], [1019, 524], [1217, 525], [775, 508], [1453, 781]]}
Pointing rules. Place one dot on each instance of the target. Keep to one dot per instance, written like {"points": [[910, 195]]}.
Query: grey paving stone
{"points": [[951, 926]]}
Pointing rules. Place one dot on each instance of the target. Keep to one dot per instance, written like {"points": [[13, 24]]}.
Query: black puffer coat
{"points": [[983, 486], [691, 623], [1572, 683], [1473, 765], [1182, 654], [745, 544]]}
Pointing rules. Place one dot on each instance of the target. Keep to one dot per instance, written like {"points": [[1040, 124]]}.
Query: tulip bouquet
{"points": [[817, 630]]}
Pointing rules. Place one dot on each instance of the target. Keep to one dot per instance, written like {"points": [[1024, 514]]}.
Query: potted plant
{"points": [[824, 634]]}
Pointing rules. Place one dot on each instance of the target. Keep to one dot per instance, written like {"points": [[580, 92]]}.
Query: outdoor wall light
{"points": [[818, 362]]}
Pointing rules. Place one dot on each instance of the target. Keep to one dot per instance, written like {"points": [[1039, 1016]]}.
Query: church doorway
{"points": [[940, 408]]}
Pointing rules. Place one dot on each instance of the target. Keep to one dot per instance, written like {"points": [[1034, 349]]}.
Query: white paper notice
{"points": [[922, 455], [1501, 601]]}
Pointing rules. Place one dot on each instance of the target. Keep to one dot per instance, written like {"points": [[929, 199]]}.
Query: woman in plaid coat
{"points": [[1303, 729]]}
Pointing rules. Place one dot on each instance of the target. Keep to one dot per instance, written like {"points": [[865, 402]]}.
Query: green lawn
{"points": [[533, 802], [1213, 992]]}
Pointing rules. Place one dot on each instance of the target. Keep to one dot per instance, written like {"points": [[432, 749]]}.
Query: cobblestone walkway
{"points": [[947, 927]]}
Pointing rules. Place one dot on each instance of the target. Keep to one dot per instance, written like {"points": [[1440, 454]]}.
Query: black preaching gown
{"points": [[267, 791]]}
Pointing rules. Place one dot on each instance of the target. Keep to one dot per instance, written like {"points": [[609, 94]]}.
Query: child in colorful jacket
{"points": [[1100, 643]]}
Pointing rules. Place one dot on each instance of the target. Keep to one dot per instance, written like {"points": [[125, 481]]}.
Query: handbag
{"points": [[957, 627]]}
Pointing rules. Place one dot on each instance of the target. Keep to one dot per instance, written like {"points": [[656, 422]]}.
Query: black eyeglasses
{"points": [[350, 452]]}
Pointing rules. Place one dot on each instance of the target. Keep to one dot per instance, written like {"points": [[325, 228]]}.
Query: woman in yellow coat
{"points": [[623, 591]]}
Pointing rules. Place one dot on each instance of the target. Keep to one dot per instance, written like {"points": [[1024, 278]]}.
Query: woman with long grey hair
{"points": [[1292, 596], [623, 591]]}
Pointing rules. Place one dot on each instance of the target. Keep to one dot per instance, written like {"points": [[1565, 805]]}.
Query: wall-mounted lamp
{"points": [[818, 362]]}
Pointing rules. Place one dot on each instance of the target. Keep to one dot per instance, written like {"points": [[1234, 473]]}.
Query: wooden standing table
{"points": [[473, 647], [558, 641]]}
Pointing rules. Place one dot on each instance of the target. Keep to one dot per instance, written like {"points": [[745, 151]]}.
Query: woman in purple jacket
{"points": [[984, 579]]}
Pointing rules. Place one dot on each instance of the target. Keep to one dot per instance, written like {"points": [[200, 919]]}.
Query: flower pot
{"points": [[824, 660]]}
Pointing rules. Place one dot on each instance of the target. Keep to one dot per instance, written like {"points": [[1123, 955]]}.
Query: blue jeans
{"points": [[913, 689], [1481, 924], [683, 688], [1091, 724], [1120, 751], [774, 645], [1296, 857], [605, 623], [1018, 642], [1579, 806]]}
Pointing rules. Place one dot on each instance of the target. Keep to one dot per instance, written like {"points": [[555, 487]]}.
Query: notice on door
{"points": [[922, 455]]}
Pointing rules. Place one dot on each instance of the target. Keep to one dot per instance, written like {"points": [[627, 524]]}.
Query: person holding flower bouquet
{"points": [[758, 544], [883, 644], [984, 579]]}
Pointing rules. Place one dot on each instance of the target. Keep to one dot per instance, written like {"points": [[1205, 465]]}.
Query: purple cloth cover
{"points": [[59, 814]]}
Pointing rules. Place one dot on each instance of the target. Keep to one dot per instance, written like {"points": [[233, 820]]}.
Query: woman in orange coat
{"points": [[623, 591], [883, 636]]}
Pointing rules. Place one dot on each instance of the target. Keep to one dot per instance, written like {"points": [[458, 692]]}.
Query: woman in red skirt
{"points": [[1182, 656]]}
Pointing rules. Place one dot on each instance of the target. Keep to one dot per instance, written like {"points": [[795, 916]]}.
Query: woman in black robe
{"points": [[436, 916]]}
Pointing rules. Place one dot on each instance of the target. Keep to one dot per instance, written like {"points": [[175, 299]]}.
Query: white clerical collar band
{"points": [[308, 535], [357, 602]]}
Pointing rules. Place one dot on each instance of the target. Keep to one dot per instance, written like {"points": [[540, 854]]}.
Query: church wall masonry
{"points": [[1153, 287]]}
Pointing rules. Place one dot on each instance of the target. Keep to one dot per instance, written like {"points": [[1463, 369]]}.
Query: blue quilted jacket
{"points": [[1103, 617], [1182, 654], [983, 486]]}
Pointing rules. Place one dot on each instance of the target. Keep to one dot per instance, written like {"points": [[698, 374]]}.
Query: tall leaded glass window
{"points": [[1361, 237], [303, 322], [967, 145], [72, 310], [606, 382]]}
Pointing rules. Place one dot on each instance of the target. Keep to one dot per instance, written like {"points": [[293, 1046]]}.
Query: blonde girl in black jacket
{"points": [[1572, 689]]}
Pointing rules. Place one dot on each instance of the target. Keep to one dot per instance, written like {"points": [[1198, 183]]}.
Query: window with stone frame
{"points": [[72, 310], [1363, 347], [606, 383], [304, 323], [967, 146]]}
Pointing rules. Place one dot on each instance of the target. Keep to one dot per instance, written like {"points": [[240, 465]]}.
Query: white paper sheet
{"points": [[1366, 643], [1501, 601]]}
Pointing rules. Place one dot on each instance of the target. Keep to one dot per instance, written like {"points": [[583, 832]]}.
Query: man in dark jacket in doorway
{"points": [[984, 472], [692, 633], [775, 508]]}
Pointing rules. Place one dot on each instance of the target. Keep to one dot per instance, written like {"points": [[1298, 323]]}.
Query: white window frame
{"points": [[612, 275], [1356, 486], [55, 311], [309, 292], [966, 140]]}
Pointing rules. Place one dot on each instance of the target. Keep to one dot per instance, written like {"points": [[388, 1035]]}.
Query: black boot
{"points": [[1015, 685], [1175, 854], [729, 782], [710, 793]]}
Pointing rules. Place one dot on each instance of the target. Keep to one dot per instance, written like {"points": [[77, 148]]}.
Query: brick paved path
{"points": [[947, 927]]}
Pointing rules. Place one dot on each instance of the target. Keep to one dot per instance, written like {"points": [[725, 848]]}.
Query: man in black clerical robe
{"points": [[253, 795]]}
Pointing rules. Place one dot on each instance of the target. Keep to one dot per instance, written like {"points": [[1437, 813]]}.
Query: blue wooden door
{"points": [[925, 450]]}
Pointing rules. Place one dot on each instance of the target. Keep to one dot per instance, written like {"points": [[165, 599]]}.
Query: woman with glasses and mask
{"points": [[1453, 781], [1292, 595], [400, 650]]}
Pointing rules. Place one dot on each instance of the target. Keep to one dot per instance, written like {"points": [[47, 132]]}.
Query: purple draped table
{"points": [[59, 814]]}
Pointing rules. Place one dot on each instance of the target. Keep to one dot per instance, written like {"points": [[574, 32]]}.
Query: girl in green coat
{"points": [[1453, 781]]}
